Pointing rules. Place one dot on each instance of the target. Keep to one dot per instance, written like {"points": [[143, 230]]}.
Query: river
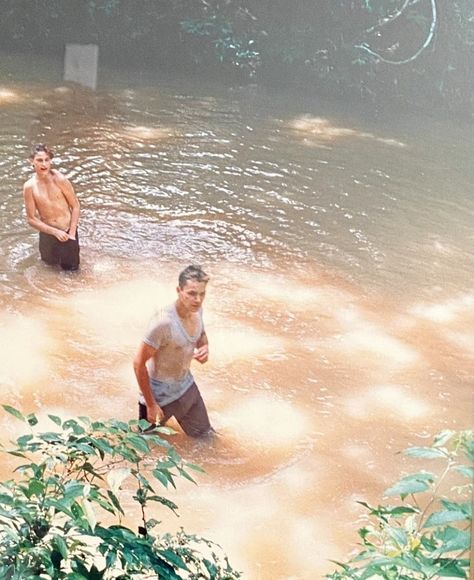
{"points": [[340, 310]]}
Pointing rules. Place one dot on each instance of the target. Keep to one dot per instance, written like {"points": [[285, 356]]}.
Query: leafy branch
{"points": [[51, 513], [407, 541]]}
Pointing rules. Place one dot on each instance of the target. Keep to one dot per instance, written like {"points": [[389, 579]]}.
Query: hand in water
{"points": [[201, 354], [154, 413]]}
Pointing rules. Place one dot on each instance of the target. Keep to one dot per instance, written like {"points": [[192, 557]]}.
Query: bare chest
{"points": [[50, 201], [48, 193]]}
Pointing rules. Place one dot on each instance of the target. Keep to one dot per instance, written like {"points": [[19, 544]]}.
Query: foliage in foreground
{"points": [[427, 534], [50, 513]]}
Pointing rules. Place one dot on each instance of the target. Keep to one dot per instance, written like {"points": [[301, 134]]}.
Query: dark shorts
{"points": [[189, 410], [54, 252]]}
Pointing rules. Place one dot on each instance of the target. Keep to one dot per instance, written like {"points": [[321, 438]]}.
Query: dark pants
{"points": [[53, 252], [189, 410]]}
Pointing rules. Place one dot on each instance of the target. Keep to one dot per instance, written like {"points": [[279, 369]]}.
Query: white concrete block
{"points": [[81, 64]]}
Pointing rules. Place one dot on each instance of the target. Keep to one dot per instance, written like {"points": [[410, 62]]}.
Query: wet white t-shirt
{"points": [[168, 369]]}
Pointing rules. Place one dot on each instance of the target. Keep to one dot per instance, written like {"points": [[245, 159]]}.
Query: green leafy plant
{"points": [[427, 534], [71, 478]]}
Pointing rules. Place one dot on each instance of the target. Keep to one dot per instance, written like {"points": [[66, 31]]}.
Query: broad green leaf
{"points": [[35, 487], [161, 477], [443, 437], [120, 425], [6, 499], [73, 488], [14, 412], [407, 486], [115, 502], [465, 506], [138, 442], [89, 513], [452, 540], [173, 558], [195, 467], [445, 517], [62, 506], [32, 419], [24, 440], [425, 453], [60, 545], [465, 470], [451, 569], [50, 437], [165, 464], [103, 445], [55, 419], [186, 475], [85, 448], [16, 454], [211, 568], [399, 535], [166, 502], [74, 426]]}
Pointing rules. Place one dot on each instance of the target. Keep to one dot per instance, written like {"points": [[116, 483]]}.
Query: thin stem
{"points": [[389, 19], [142, 503], [434, 494], [427, 42]]}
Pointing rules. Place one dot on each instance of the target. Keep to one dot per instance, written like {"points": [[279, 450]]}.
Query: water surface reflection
{"points": [[340, 309]]}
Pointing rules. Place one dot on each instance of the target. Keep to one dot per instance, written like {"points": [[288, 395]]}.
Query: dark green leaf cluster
{"points": [[427, 535], [70, 479]]}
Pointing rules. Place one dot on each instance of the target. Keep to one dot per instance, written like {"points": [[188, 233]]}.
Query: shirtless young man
{"points": [[52, 208], [162, 363]]}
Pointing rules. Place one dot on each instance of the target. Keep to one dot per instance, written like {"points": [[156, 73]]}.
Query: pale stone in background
{"points": [[80, 64]]}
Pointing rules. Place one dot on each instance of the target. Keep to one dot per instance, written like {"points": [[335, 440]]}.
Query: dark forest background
{"points": [[417, 53]]}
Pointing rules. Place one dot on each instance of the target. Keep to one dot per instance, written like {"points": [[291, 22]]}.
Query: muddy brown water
{"points": [[340, 309]]}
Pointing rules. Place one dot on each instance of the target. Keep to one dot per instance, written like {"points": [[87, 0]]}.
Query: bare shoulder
{"points": [[161, 319], [58, 176], [28, 185], [63, 183]]}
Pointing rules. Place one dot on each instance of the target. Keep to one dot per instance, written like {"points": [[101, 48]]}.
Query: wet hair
{"points": [[192, 273], [41, 148]]}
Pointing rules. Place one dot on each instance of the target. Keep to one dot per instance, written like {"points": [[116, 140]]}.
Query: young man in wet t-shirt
{"points": [[52, 208], [162, 364]]}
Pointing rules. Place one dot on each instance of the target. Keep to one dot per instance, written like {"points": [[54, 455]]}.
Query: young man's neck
{"points": [[44, 176], [182, 311]]}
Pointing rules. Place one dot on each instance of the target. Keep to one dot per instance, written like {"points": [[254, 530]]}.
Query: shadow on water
{"points": [[340, 263]]}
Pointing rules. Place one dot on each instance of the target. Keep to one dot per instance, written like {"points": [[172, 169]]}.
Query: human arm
{"points": [[145, 352], [68, 191], [201, 352], [33, 219]]}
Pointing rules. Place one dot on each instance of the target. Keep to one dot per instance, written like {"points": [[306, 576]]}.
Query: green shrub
{"points": [[71, 477], [427, 534]]}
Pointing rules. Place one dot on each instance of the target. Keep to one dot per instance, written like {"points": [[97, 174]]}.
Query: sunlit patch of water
{"points": [[446, 311], [269, 422], [320, 131], [8, 96], [26, 347], [387, 401], [141, 132]]}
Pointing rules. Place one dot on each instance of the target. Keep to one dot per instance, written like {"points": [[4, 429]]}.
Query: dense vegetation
{"points": [[63, 515], [414, 51], [426, 534]]}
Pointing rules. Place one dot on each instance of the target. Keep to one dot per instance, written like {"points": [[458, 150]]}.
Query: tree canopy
{"points": [[418, 52]]}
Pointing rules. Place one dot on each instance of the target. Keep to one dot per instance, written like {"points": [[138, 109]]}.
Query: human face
{"points": [[41, 163], [191, 295]]}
